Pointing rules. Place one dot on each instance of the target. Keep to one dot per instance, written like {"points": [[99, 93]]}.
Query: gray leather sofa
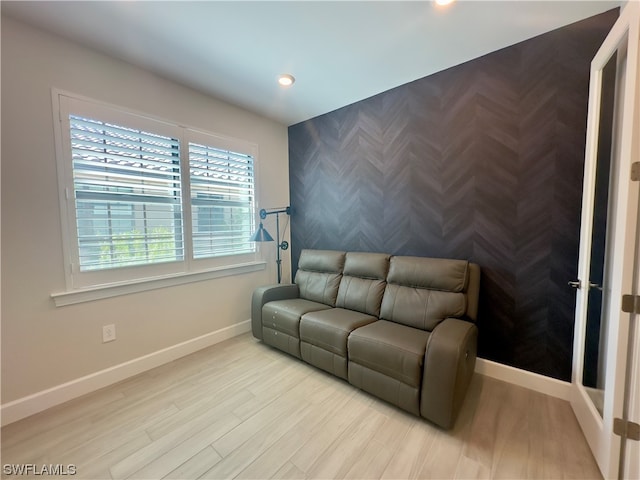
{"points": [[401, 328]]}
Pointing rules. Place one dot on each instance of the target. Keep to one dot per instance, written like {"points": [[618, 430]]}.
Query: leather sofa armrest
{"points": [[449, 364], [268, 293]]}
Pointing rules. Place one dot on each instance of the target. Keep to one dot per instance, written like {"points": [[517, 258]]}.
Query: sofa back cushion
{"points": [[318, 276], [363, 282], [421, 292]]}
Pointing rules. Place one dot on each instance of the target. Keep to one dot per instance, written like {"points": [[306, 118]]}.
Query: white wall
{"points": [[44, 346]]}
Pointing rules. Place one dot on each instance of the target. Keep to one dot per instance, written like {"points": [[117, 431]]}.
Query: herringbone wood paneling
{"points": [[482, 161]]}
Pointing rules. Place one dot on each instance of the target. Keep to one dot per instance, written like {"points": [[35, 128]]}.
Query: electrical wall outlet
{"points": [[108, 333]]}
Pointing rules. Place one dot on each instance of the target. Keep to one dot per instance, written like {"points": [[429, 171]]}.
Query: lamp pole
{"points": [[281, 245]]}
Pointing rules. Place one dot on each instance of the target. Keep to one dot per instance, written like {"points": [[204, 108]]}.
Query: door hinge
{"points": [[635, 171], [626, 429], [631, 304]]}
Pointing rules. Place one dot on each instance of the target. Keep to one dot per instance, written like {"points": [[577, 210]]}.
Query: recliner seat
{"points": [[324, 334], [317, 281]]}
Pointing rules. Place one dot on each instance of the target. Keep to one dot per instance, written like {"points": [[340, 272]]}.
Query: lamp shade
{"points": [[261, 235]]}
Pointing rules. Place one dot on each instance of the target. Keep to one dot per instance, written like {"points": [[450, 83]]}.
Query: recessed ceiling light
{"points": [[286, 80], [442, 3]]}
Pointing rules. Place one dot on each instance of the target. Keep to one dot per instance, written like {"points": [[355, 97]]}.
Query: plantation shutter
{"points": [[222, 201], [127, 192]]}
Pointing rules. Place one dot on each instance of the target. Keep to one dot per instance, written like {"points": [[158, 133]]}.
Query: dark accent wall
{"points": [[483, 161]]}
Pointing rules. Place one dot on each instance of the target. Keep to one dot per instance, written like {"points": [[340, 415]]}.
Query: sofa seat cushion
{"points": [[329, 329], [391, 349], [284, 315]]}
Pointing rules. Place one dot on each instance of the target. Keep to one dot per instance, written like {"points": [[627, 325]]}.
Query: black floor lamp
{"points": [[261, 235]]}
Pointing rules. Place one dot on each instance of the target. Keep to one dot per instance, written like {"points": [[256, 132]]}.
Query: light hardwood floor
{"points": [[240, 409]]}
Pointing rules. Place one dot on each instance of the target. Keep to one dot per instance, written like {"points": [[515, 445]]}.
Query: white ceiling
{"points": [[339, 51]]}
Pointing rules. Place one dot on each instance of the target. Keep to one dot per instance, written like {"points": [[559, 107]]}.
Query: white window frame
{"points": [[91, 285]]}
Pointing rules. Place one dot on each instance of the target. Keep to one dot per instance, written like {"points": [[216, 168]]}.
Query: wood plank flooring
{"points": [[242, 410]]}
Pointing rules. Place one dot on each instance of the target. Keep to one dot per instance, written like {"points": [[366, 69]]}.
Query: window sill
{"points": [[124, 288]]}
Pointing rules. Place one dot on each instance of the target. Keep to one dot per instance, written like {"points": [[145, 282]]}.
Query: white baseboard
{"points": [[38, 402], [533, 381]]}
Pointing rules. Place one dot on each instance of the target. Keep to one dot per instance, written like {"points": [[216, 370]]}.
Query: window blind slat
{"points": [[111, 188], [199, 178], [222, 167], [109, 161], [118, 154]]}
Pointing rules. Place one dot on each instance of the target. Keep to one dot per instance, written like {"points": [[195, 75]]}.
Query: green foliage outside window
{"points": [[135, 247]]}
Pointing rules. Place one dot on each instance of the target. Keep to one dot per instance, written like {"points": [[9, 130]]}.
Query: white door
{"points": [[631, 456], [608, 249]]}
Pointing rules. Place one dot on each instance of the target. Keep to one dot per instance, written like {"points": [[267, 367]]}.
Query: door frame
{"points": [[598, 430]]}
